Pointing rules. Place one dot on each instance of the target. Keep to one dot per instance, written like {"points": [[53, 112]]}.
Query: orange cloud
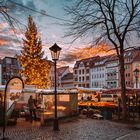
{"points": [[3, 25], [3, 42], [69, 58], [86, 52]]}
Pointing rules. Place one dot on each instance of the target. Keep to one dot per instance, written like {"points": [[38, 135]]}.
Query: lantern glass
{"points": [[55, 52]]}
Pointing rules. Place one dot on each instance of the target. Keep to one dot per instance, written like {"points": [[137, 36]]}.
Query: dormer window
{"points": [[81, 65]]}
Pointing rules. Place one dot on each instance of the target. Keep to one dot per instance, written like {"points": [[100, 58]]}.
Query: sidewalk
{"points": [[81, 129]]}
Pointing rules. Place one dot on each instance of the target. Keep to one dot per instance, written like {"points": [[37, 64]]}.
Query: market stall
{"points": [[89, 93], [67, 103]]}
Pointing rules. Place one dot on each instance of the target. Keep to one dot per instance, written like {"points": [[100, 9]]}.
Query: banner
{"points": [[13, 91]]}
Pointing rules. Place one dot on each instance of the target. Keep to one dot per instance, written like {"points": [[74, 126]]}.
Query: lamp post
{"points": [[55, 51], [136, 74]]}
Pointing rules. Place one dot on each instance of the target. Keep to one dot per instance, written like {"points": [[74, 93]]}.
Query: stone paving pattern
{"points": [[80, 129]]}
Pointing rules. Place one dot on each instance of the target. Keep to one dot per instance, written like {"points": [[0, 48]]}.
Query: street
{"points": [[80, 129]]}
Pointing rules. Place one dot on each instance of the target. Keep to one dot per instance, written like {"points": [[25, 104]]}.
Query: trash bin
{"points": [[107, 114]]}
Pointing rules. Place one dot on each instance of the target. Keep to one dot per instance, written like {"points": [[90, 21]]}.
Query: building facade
{"points": [[10, 68], [104, 72], [136, 65], [62, 71], [112, 72], [98, 73], [81, 72], [67, 81]]}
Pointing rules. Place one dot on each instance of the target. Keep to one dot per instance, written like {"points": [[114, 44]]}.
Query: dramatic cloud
{"points": [[10, 40], [85, 52], [49, 27]]}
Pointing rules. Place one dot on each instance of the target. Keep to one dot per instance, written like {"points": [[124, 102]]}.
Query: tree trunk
{"points": [[123, 87]]}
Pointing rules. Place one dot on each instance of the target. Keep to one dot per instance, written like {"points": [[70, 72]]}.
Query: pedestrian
{"points": [[32, 108]]}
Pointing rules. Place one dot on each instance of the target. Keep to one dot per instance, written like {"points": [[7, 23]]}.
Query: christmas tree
{"points": [[35, 69]]}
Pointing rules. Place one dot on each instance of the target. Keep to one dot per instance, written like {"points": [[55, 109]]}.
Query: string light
{"points": [[34, 68]]}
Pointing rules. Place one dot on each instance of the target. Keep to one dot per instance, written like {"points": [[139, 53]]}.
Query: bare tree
{"points": [[109, 20]]}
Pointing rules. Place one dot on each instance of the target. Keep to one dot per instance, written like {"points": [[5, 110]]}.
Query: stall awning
{"points": [[118, 90], [89, 90], [47, 91]]}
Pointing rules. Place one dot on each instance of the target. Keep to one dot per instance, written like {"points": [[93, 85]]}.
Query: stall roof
{"points": [[129, 90], [89, 90], [47, 91]]}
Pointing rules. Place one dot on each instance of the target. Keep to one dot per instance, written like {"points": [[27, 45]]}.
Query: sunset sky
{"points": [[50, 29]]}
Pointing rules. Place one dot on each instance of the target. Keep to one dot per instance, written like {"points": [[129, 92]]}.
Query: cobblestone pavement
{"points": [[81, 129]]}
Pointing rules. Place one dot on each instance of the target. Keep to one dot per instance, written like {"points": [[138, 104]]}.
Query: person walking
{"points": [[32, 108]]}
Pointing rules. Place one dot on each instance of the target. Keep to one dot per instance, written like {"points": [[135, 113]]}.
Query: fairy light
{"points": [[35, 68]]}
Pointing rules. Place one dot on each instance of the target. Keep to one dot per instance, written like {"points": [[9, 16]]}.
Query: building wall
{"points": [[60, 77], [112, 74], [108, 75], [10, 68], [128, 75], [0, 74], [67, 84], [81, 76], [98, 77]]}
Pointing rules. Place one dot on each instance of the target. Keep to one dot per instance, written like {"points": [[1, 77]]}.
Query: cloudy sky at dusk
{"points": [[49, 27]]}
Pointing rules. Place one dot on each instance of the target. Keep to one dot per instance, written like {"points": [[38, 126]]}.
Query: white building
{"points": [[62, 71], [82, 72], [112, 72], [97, 73]]}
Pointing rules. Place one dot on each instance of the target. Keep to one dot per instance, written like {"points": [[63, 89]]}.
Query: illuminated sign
{"points": [[14, 89]]}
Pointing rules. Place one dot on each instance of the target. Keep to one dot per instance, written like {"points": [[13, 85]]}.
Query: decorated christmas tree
{"points": [[35, 69]]}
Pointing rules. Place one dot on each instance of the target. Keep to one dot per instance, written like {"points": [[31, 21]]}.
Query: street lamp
{"points": [[55, 51], [136, 74]]}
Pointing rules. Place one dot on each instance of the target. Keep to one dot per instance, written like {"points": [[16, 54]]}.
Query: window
{"points": [[136, 65], [87, 70], [79, 78], [83, 78], [81, 65], [126, 74], [8, 61], [76, 79], [82, 71], [79, 71], [87, 77], [87, 85], [14, 62], [103, 75], [75, 71]]}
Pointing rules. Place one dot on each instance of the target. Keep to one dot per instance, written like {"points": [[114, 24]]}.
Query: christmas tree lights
{"points": [[35, 69]]}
